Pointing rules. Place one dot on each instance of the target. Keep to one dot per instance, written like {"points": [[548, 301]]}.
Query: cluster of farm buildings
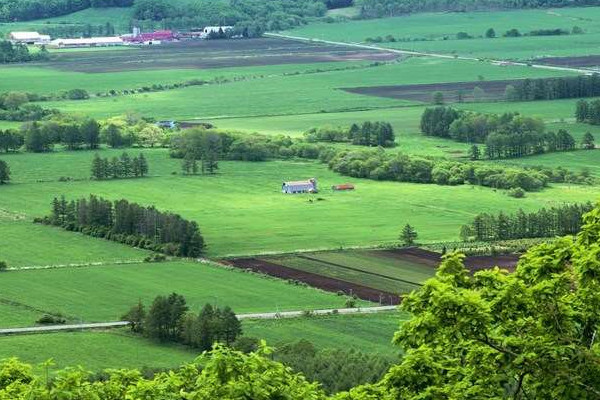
{"points": [[137, 38]]}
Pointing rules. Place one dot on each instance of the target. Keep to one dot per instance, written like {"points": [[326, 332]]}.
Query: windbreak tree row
{"points": [[129, 223], [547, 222]]}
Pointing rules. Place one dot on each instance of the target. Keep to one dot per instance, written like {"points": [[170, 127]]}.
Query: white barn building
{"points": [[86, 42], [309, 186], [29, 38]]}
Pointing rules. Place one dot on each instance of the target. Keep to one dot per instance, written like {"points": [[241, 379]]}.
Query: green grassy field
{"points": [[43, 79], [297, 94], [105, 293], [433, 27], [117, 348], [241, 210], [369, 333], [53, 246], [94, 351]]}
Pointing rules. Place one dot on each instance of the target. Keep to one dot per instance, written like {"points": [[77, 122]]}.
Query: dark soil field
{"points": [[473, 263], [581, 61], [428, 260], [205, 54], [314, 280], [492, 90]]}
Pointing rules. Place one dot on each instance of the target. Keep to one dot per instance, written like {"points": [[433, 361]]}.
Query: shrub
{"points": [[517, 193]]}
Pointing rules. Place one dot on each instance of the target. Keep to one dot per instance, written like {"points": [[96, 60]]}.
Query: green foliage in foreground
{"points": [[493, 335]]}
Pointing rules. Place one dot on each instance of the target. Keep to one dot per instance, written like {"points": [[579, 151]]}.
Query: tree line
{"points": [[509, 135], [17, 52], [368, 133], [250, 18], [119, 167], [390, 8], [380, 165], [548, 222], [566, 87], [74, 134], [168, 319], [129, 223]]}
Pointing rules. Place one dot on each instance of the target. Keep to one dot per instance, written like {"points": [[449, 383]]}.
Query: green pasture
{"points": [[118, 348], [575, 160], [94, 351], [44, 79], [51, 246], [105, 293], [405, 121], [371, 333], [297, 94], [15, 315], [434, 27], [241, 210]]}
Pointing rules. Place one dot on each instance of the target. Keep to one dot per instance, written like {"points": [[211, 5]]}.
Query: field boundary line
{"points": [[75, 265], [245, 316], [357, 270], [495, 62]]}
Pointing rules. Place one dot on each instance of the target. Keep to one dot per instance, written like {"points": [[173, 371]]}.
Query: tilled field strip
{"points": [[362, 271]]}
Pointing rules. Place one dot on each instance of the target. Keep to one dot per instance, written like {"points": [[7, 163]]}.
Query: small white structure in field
{"points": [[86, 42], [309, 186], [29, 38]]}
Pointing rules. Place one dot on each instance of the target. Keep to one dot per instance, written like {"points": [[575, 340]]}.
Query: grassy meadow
{"points": [[105, 293], [118, 348], [94, 350], [241, 209], [425, 32], [296, 94], [371, 333]]}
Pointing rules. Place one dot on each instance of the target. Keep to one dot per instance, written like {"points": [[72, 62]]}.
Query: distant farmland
{"points": [[210, 54]]}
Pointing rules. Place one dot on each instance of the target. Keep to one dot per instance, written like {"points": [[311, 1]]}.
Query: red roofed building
{"points": [[157, 36]]}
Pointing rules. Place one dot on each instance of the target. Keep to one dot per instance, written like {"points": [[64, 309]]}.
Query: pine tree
{"points": [[143, 165], [588, 141], [126, 166], [408, 235], [98, 171], [474, 152], [4, 172]]}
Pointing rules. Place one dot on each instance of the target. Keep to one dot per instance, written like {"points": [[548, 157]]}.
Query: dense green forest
{"points": [[25, 10], [389, 8]]}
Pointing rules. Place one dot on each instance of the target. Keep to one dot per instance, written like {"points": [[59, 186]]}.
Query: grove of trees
{"points": [[566, 87], [14, 53], [368, 133], [169, 319], [124, 166], [400, 167], [509, 135], [547, 222], [129, 223]]}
